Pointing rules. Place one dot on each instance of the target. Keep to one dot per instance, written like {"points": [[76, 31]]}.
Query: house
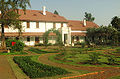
{"points": [[35, 23], [78, 29]]}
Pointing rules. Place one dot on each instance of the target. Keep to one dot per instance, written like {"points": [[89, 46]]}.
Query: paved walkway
{"points": [[108, 71], [5, 69]]}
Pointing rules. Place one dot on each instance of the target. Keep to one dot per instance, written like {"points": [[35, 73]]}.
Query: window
{"points": [[28, 39], [77, 38], [37, 24], [28, 24]]}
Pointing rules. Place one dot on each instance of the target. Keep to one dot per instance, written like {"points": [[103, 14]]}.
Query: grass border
{"points": [[17, 71]]}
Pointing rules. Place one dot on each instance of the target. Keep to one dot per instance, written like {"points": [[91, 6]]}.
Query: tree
{"points": [[88, 17], [104, 35], [116, 22], [55, 12], [9, 15]]}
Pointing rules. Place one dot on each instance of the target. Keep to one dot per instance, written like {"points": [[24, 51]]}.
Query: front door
{"points": [[65, 38], [36, 40]]}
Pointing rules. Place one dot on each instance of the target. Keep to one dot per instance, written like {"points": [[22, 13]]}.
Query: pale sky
{"points": [[102, 10]]}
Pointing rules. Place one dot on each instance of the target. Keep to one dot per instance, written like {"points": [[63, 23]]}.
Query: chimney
{"points": [[0, 12], [44, 10], [84, 22]]}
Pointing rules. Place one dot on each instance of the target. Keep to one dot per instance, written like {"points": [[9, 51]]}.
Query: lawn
{"points": [[14, 53], [81, 56], [116, 77]]}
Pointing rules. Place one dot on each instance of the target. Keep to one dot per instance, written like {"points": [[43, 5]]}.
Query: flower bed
{"points": [[36, 70]]}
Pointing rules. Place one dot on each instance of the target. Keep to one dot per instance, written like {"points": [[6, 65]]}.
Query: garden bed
{"points": [[37, 70], [86, 57], [41, 51]]}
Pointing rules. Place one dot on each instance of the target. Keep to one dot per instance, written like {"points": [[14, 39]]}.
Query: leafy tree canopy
{"points": [[88, 17], [104, 35], [10, 15], [55, 12], [116, 22]]}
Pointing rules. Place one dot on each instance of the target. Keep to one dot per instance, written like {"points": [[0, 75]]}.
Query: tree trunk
{"points": [[3, 44]]}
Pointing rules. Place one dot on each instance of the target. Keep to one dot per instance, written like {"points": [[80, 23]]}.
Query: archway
{"points": [[58, 34]]}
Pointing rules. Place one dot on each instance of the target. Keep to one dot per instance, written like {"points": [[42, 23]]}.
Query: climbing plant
{"points": [[58, 34]]}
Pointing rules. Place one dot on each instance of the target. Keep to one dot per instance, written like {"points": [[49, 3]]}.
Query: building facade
{"points": [[35, 23]]}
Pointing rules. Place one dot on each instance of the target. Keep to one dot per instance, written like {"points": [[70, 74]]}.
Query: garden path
{"points": [[5, 69], [108, 71]]}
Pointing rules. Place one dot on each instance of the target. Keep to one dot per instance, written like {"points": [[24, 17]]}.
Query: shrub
{"points": [[111, 60], [118, 50], [39, 51], [18, 46], [36, 70], [77, 43], [83, 44], [39, 44], [94, 57]]}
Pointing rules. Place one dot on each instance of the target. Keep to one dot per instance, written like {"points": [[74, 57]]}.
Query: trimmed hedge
{"points": [[37, 70], [39, 51]]}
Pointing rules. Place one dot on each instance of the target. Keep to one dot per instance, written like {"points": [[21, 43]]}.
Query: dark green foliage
{"points": [[10, 15], [88, 17], [102, 36], [36, 70], [117, 50], [94, 57], [19, 46], [39, 44], [83, 44], [39, 51], [58, 34], [116, 22], [111, 60], [55, 12]]}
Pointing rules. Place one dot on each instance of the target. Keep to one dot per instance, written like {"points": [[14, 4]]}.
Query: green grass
{"points": [[40, 51], [116, 77], [52, 58], [17, 71], [76, 56], [14, 53]]}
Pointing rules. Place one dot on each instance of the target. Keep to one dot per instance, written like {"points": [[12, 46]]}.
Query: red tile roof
{"points": [[15, 34], [78, 34], [78, 25], [36, 15]]}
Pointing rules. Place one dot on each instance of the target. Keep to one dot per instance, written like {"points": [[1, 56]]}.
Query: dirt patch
{"points": [[5, 69]]}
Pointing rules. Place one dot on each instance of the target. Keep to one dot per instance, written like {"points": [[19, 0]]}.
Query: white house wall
{"points": [[42, 26], [64, 24], [58, 25], [49, 26]]}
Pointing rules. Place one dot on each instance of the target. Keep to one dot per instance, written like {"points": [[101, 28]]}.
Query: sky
{"points": [[102, 10]]}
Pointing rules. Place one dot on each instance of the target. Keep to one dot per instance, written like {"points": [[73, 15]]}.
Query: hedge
{"points": [[39, 51], [18, 46], [37, 70]]}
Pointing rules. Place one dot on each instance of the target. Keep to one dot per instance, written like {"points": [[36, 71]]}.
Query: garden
{"points": [[103, 56]]}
